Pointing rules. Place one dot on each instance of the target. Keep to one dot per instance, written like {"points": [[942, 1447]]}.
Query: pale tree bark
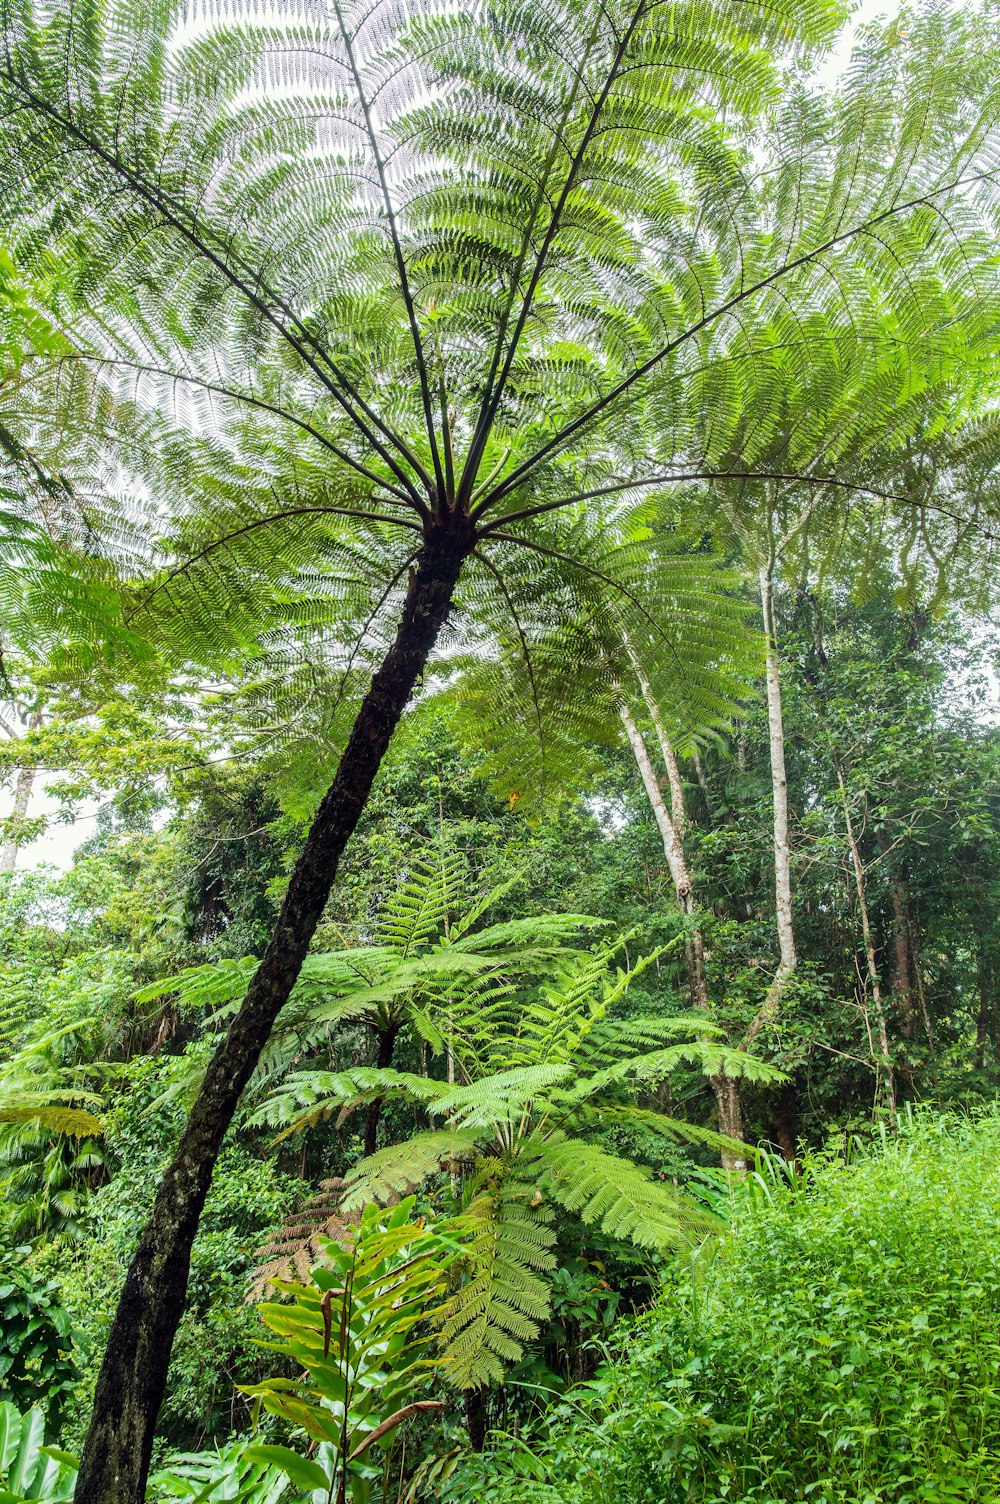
{"points": [[787, 956], [765, 550], [886, 1084], [22, 795], [726, 1089]]}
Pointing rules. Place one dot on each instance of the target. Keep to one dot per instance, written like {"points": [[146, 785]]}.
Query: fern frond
{"points": [[618, 1196], [291, 1251], [399, 1169], [306, 1097], [502, 1295]]}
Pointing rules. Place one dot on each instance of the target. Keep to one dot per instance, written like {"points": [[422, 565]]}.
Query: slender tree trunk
{"points": [[703, 784], [383, 1060], [477, 1417], [783, 1123], [133, 1375], [902, 978], [884, 1073], [918, 974], [787, 959], [726, 1089], [987, 1003], [22, 794]]}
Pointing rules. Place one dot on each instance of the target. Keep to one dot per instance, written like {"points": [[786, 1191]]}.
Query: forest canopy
{"points": [[499, 869]]}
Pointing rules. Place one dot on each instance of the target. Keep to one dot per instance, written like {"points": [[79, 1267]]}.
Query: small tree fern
{"points": [[538, 1078], [430, 955]]}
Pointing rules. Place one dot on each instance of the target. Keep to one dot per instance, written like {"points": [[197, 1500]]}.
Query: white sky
{"points": [[56, 847]]}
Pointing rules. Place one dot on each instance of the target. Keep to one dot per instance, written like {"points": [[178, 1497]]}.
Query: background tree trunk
{"points": [[884, 1073], [987, 1003], [726, 1089], [902, 977], [383, 1060], [787, 959], [22, 794], [133, 1375]]}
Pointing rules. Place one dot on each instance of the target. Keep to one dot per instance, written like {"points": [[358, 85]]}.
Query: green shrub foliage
{"points": [[840, 1344]]}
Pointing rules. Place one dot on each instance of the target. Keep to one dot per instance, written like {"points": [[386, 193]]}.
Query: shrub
{"points": [[840, 1344]]}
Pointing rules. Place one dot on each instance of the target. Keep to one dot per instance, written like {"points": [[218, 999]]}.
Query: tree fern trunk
{"points": [[134, 1372], [383, 1060]]}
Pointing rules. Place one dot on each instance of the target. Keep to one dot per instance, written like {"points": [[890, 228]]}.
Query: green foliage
{"points": [[50, 1139], [29, 1469], [211, 1477], [536, 1073], [841, 1343], [215, 1342], [429, 955], [602, 284], [37, 1363], [354, 1330]]}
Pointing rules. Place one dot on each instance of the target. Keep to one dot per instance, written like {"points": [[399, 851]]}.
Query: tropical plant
{"points": [[535, 1078], [870, 1291], [353, 1329], [428, 954], [211, 1477], [449, 251], [50, 1137], [29, 1469]]}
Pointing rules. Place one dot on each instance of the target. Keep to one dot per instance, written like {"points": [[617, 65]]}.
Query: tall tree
{"points": [[401, 288]]}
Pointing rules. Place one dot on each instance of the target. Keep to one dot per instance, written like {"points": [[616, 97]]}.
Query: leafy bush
{"points": [[36, 1345], [841, 1343]]}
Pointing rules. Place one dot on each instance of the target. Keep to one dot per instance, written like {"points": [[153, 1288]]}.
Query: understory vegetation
{"points": [[500, 746], [840, 1341]]}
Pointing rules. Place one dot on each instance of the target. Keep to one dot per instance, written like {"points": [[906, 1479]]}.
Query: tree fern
{"points": [[613, 1193], [540, 1073], [361, 295]]}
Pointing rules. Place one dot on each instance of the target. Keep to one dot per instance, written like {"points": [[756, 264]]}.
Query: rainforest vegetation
{"points": [[500, 856]]}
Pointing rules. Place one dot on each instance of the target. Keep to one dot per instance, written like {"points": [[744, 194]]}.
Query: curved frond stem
{"points": [[302, 342], [598, 574], [525, 651], [617, 487], [497, 381], [259, 522], [246, 399], [601, 406], [426, 395]]}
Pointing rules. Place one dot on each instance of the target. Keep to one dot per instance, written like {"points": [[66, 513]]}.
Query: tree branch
{"points": [[187, 226], [267, 407], [496, 383], [404, 280], [689, 475]]}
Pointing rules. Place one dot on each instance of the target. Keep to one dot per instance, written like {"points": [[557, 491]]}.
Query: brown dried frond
{"points": [[294, 1248]]}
